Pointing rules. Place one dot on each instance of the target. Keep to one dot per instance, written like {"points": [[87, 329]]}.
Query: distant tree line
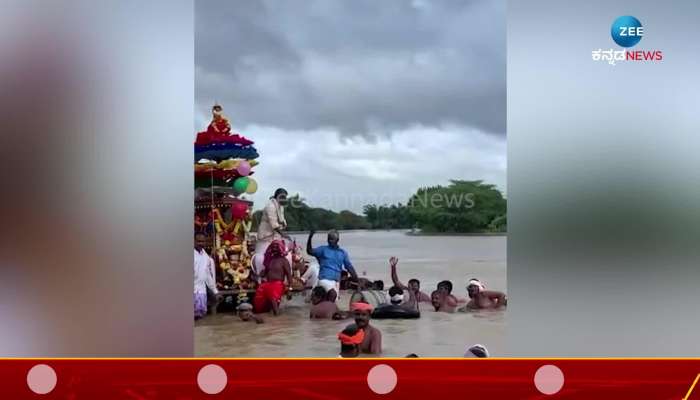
{"points": [[302, 217], [460, 207]]}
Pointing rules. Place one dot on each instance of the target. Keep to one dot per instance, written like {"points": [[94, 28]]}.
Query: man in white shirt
{"points": [[272, 226], [204, 276]]}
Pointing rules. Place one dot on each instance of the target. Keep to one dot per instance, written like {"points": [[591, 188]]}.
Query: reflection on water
{"points": [[430, 259]]}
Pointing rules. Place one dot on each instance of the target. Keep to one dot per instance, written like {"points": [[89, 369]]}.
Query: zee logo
{"points": [[627, 31]]}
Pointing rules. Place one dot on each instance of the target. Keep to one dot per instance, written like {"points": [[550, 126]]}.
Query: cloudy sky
{"points": [[355, 102]]}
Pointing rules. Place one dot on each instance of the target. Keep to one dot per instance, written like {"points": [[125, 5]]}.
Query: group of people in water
{"points": [[368, 301], [279, 273]]}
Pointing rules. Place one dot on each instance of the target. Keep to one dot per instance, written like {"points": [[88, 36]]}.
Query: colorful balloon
{"points": [[252, 186], [241, 184], [243, 168]]}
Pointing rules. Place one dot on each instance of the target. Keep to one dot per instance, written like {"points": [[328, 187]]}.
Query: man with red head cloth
{"points": [[372, 341], [350, 340], [277, 271]]}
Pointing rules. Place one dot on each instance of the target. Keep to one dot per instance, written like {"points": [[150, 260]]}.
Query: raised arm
{"points": [[309, 247], [393, 262]]}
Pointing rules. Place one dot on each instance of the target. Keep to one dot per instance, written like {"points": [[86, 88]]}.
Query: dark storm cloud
{"points": [[356, 66]]}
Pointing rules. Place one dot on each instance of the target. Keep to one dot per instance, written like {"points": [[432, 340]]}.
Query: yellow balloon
{"points": [[252, 186]]}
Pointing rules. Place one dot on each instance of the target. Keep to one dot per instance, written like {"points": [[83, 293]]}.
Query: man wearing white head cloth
{"points": [[477, 351], [480, 298]]}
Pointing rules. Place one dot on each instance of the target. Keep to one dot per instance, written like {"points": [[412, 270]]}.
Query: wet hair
{"points": [[331, 295], [447, 284], [479, 351], [280, 191], [351, 330], [433, 294], [412, 355], [347, 348], [413, 280], [394, 290], [319, 292], [378, 285]]}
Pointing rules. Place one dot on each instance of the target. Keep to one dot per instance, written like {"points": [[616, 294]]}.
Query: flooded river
{"points": [[427, 258]]}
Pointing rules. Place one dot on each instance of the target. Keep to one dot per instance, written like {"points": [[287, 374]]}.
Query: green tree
{"points": [[499, 224], [462, 206]]}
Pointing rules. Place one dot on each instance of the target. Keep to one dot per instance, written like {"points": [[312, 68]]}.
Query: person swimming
{"points": [[396, 295], [245, 313], [323, 304], [412, 290], [372, 342], [437, 298], [481, 299], [350, 340], [398, 307], [448, 302], [477, 351]]}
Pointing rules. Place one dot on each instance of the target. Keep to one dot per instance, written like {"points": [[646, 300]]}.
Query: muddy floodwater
{"points": [[427, 258]]}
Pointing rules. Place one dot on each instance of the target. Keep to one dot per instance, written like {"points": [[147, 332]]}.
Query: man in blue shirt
{"points": [[332, 260]]}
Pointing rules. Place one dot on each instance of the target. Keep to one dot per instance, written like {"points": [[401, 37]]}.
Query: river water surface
{"points": [[427, 258]]}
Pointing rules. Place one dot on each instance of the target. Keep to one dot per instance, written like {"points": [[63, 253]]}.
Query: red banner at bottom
{"points": [[325, 379]]}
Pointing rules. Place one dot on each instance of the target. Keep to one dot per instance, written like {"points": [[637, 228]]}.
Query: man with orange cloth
{"points": [[277, 270], [372, 341], [350, 339]]}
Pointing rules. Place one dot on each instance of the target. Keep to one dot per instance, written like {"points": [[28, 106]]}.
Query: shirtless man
{"points": [[270, 292], [372, 342], [350, 339], [245, 313], [448, 302], [415, 296], [323, 304], [398, 307], [480, 298], [437, 298]]}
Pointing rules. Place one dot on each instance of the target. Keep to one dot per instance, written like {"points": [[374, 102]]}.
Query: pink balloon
{"points": [[243, 168]]}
